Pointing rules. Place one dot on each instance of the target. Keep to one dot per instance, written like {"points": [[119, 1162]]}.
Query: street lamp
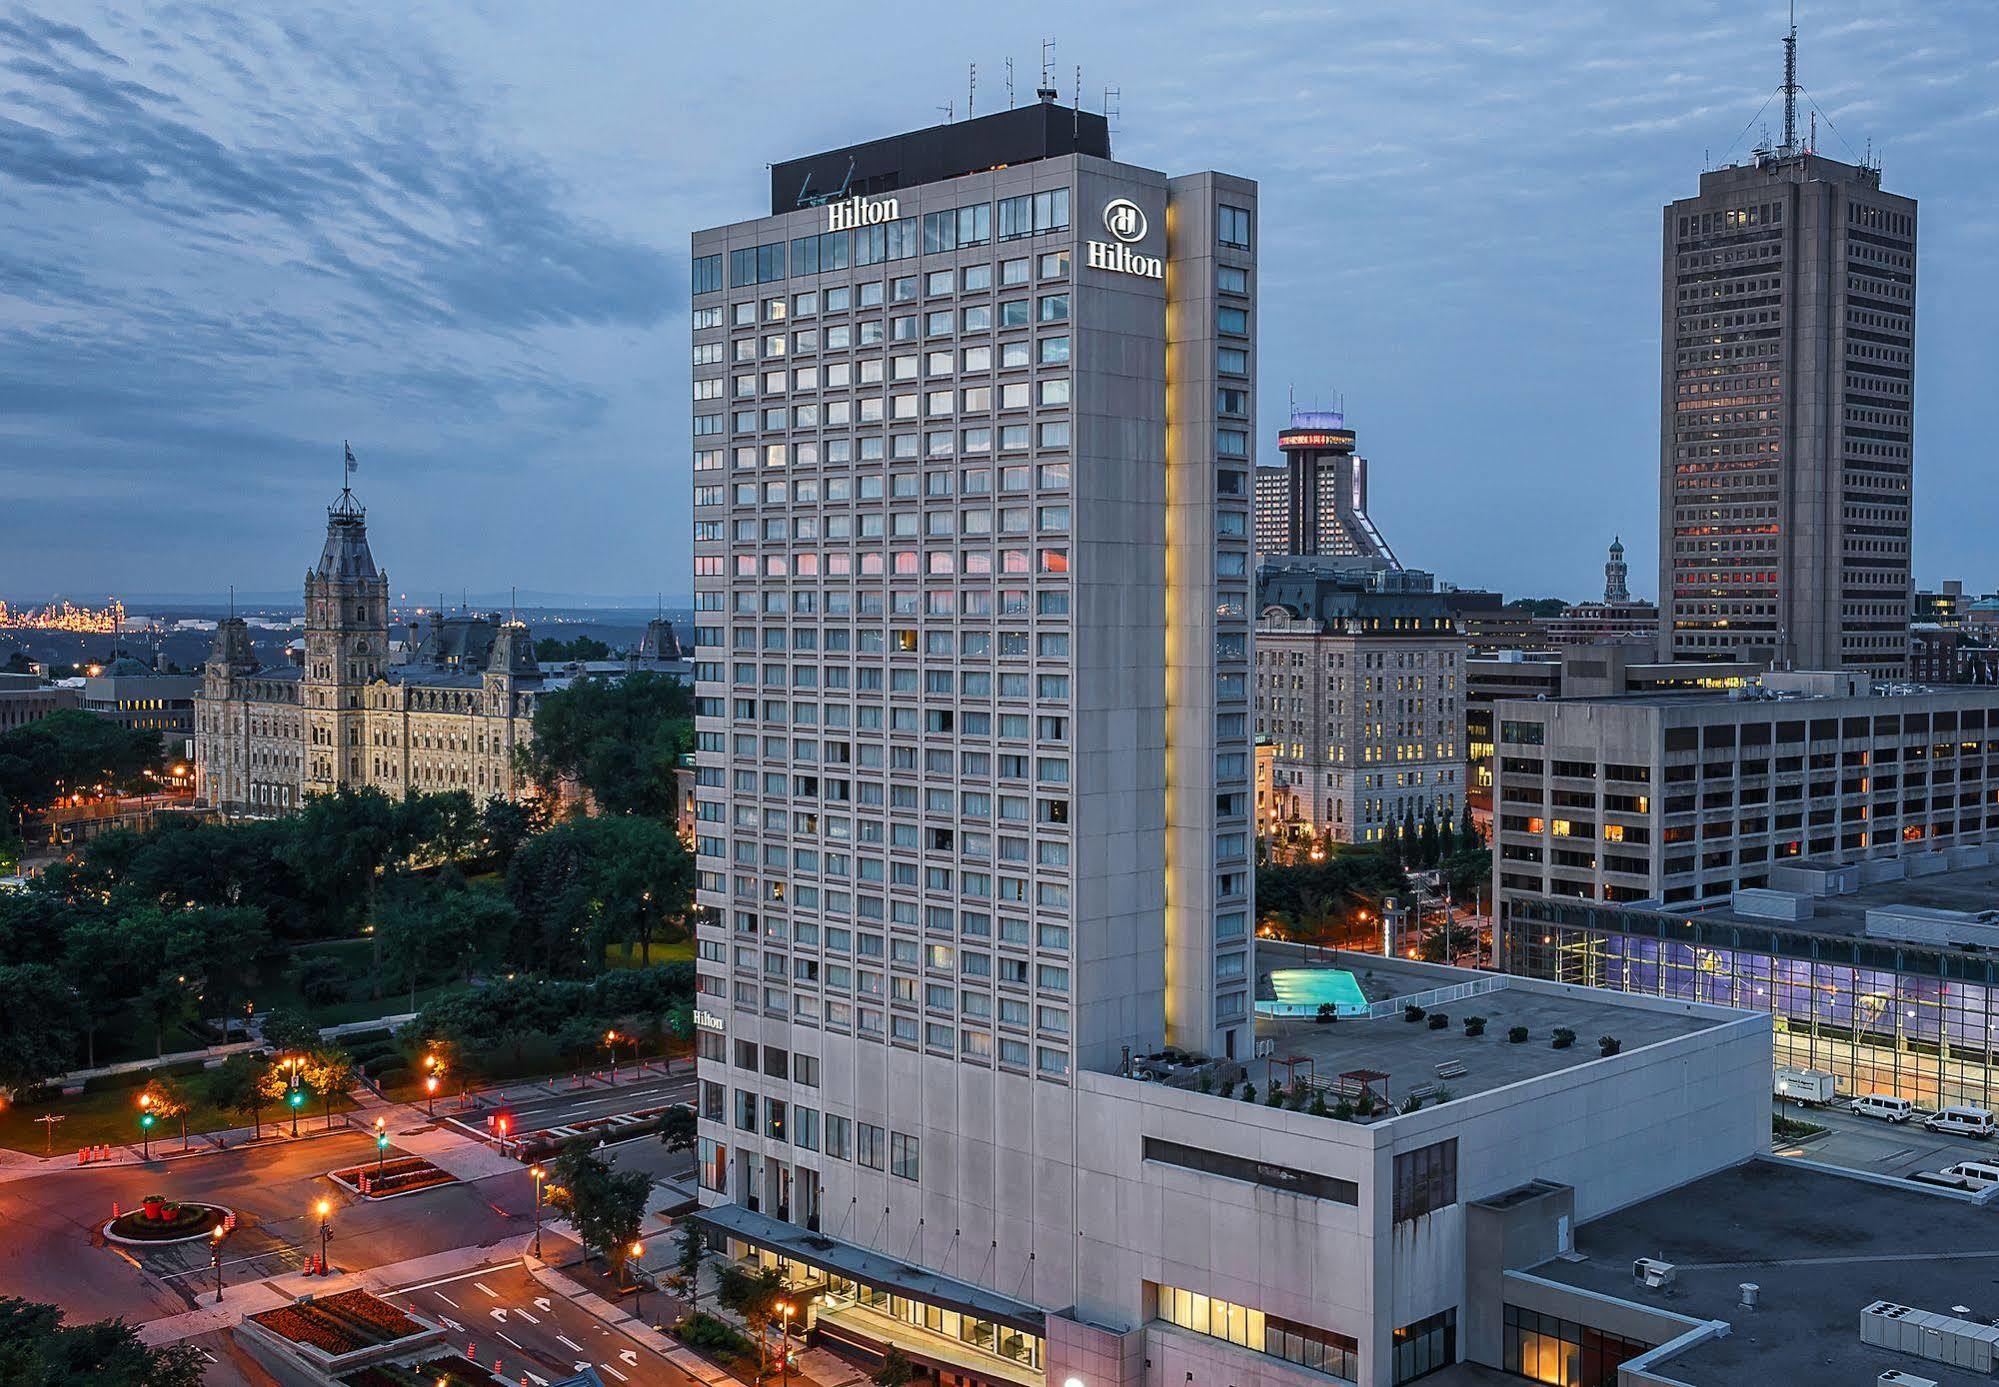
{"points": [[500, 1125], [785, 1310], [215, 1257], [611, 1043], [540, 1177], [325, 1211], [638, 1282], [381, 1144], [430, 1088], [146, 1120]]}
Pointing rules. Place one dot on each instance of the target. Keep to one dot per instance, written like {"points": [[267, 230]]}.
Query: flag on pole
{"points": [[351, 464]]}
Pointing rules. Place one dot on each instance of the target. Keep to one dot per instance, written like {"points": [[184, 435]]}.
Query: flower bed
{"points": [[339, 1323], [162, 1221], [400, 1176]]}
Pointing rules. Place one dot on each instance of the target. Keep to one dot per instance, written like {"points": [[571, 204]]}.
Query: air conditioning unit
{"points": [[1961, 1343], [1895, 1377], [1653, 1272]]}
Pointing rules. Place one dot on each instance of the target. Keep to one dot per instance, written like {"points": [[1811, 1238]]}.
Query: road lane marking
{"points": [[482, 1286], [614, 1372], [569, 1343], [497, 1334], [461, 1276], [446, 1299], [526, 1316]]}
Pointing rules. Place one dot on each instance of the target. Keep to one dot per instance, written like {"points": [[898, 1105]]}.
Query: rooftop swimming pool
{"points": [[1302, 991]]}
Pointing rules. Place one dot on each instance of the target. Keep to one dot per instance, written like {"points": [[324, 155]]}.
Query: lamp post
{"points": [[500, 1125], [430, 1090], [381, 1144], [432, 1068], [325, 1211], [294, 1096], [540, 1176], [611, 1044], [215, 1258], [638, 1282], [785, 1310], [146, 1120]]}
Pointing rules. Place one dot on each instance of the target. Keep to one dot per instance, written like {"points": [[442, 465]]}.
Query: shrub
{"points": [[1328, 1014], [1474, 1025], [1343, 1110], [1609, 1045], [1318, 1108], [321, 980], [1249, 1093], [1412, 1012], [1412, 1103], [1564, 1037], [1206, 1083], [705, 1331], [1228, 1088], [1517, 1035], [1274, 1098], [395, 1076], [1439, 1021]]}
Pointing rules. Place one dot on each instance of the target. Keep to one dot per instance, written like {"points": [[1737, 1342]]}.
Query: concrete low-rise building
{"points": [[26, 698]]}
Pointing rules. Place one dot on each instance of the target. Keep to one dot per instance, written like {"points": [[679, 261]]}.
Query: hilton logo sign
{"points": [[1126, 221], [857, 212]]}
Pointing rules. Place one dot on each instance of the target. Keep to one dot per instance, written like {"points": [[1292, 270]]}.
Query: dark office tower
{"points": [[1318, 504], [1788, 353]]}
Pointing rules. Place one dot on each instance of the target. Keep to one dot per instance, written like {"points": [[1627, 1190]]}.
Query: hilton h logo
{"points": [[1125, 220]]}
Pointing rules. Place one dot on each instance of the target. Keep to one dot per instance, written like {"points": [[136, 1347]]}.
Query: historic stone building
{"points": [[448, 717]]}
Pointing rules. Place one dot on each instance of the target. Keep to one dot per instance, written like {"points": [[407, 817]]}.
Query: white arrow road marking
{"points": [[500, 1315], [543, 1304], [538, 1379], [454, 1325], [630, 1358], [569, 1344], [580, 1366]]}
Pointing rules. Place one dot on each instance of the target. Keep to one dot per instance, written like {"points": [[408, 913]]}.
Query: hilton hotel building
{"points": [[974, 802]]}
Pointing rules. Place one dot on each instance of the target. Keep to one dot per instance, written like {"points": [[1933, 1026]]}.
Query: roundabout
{"points": [[160, 1221]]}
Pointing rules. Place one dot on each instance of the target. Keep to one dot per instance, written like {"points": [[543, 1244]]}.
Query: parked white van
{"points": [[1976, 1175], [1962, 1121], [1885, 1106]]}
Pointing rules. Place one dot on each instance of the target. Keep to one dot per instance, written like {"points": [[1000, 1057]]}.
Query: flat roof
{"points": [[1819, 1245], [1965, 889], [1409, 1052]]}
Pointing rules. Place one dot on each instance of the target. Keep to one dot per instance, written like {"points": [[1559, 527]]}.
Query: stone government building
{"points": [[448, 717]]}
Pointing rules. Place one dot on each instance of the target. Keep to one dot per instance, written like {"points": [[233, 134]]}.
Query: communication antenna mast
{"points": [[1791, 84], [1076, 115], [1047, 62], [950, 112], [971, 90], [1009, 84], [1812, 144], [1113, 107]]}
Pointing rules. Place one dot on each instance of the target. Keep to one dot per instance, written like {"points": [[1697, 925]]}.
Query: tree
{"points": [[73, 752], [621, 740], [1426, 838], [289, 1032], [38, 1350], [677, 1128], [606, 1207], [1467, 830], [896, 1369], [588, 883], [691, 1250], [38, 1025], [550, 651], [321, 980], [329, 1070], [102, 975], [753, 1295], [162, 1097], [238, 1085], [221, 944], [508, 823]]}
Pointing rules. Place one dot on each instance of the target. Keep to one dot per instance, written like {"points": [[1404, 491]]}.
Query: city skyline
{"points": [[483, 284]]}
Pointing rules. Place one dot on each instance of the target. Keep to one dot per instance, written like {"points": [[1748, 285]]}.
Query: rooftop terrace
{"points": [[1819, 1246], [1411, 1053]]}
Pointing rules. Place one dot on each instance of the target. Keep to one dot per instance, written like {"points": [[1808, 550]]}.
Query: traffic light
{"points": [[146, 1120], [295, 1097], [381, 1141]]}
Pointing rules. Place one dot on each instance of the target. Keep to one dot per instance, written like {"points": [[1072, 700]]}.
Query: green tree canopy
{"points": [[38, 1350], [39, 1024], [605, 1206], [619, 739], [71, 752]]}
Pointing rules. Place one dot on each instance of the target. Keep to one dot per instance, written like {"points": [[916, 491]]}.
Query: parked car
{"points": [[1963, 1121], [1884, 1106], [1976, 1175]]}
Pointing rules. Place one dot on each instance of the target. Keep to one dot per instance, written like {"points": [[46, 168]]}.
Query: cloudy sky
{"points": [[228, 241]]}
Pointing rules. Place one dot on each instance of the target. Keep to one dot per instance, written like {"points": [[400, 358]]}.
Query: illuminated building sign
{"points": [[1120, 258], [1332, 438], [707, 1020], [860, 211]]}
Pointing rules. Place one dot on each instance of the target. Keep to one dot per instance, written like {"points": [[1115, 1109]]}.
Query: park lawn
{"points": [[663, 951], [111, 1116]]}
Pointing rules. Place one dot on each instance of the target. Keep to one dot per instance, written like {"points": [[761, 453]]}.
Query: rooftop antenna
{"points": [[950, 112], [1009, 84], [1113, 107], [232, 601], [971, 90], [1076, 116], [1812, 144], [1791, 84], [513, 605], [1047, 62]]}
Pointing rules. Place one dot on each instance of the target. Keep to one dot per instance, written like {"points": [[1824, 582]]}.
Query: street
{"points": [[540, 1112], [501, 1315]]}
